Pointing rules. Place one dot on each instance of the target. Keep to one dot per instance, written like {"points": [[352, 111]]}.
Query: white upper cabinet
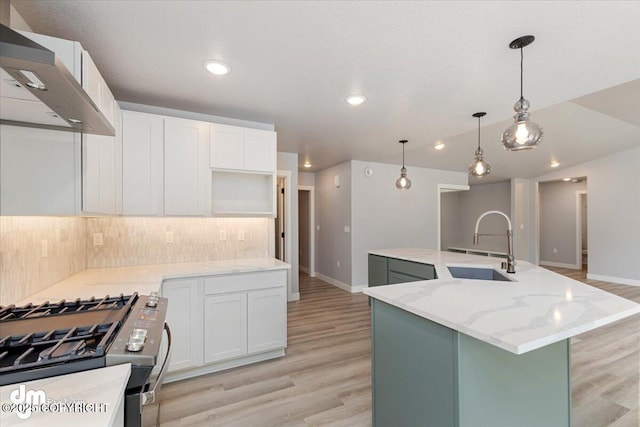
{"points": [[142, 163], [96, 87], [227, 147], [39, 172], [102, 170], [259, 150], [242, 149], [186, 179]]}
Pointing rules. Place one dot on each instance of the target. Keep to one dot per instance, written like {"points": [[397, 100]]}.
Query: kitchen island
{"points": [[470, 352]]}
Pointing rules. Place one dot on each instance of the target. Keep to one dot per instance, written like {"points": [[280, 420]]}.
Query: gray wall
{"points": [[289, 162], [466, 206], [558, 222], [612, 211], [522, 197], [303, 227], [306, 178], [384, 217], [333, 212]]}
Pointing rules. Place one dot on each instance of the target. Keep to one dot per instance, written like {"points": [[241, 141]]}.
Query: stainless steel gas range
{"points": [[51, 339]]}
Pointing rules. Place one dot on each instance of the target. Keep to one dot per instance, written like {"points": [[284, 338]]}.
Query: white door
{"points": [[142, 163], [267, 315], [259, 150], [226, 147], [225, 326], [184, 315], [186, 144]]}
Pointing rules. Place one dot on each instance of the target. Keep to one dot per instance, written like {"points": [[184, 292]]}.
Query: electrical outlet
{"points": [[44, 249], [240, 234], [318, 227], [555, 250], [223, 235], [168, 236], [521, 226], [98, 239], [338, 263], [347, 229]]}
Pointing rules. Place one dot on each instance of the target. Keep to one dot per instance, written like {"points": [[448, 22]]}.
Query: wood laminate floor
{"points": [[324, 379]]}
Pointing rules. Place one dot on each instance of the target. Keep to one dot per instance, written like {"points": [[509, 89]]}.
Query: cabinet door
{"points": [[267, 319], [226, 147], [40, 172], [186, 147], [142, 162], [101, 170], [225, 326], [397, 277], [184, 315], [377, 270], [96, 88], [259, 150]]}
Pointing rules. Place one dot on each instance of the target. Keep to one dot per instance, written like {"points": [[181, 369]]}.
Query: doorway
{"points": [[582, 249], [280, 246], [280, 219], [306, 227]]}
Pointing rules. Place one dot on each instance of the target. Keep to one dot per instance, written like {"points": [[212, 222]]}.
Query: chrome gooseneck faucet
{"points": [[511, 261]]}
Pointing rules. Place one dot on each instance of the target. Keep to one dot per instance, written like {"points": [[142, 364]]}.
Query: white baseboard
{"points": [[561, 265], [620, 280], [339, 284], [294, 297]]}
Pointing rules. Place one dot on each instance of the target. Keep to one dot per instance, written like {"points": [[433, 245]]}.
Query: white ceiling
{"points": [[424, 67]]}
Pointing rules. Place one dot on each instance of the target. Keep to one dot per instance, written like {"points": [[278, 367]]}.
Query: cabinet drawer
{"points": [[424, 271], [396, 277], [245, 281]]}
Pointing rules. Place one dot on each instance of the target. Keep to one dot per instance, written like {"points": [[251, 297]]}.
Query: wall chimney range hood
{"points": [[45, 76]]}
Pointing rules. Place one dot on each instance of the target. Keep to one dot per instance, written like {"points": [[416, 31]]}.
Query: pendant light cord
{"points": [[478, 133], [521, 72], [403, 155]]}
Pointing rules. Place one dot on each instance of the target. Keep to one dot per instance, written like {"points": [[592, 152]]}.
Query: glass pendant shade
{"points": [[523, 134], [479, 168], [403, 183]]}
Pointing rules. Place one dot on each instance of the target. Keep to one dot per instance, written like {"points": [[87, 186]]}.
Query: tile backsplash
{"points": [[24, 270], [134, 241], [36, 252]]}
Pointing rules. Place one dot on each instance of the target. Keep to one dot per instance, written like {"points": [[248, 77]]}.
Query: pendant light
{"points": [[403, 183], [523, 134], [479, 167]]}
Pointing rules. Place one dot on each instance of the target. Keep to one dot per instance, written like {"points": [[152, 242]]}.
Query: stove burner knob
{"points": [[153, 299], [135, 346]]}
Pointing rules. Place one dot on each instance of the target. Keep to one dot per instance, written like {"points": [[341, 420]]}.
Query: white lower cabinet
{"points": [[223, 321], [184, 316], [267, 319], [225, 326]]}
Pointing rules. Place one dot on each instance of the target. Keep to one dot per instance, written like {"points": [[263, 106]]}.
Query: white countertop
{"points": [[102, 390], [539, 308], [143, 279]]}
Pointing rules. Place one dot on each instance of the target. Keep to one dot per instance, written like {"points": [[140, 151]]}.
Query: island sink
{"points": [[478, 274]]}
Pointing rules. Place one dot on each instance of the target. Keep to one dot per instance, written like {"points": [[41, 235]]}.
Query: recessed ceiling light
{"points": [[554, 164], [307, 164], [356, 99], [216, 67], [566, 179], [439, 146]]}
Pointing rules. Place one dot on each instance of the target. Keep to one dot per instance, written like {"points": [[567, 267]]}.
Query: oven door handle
{"points": [[149, 397]]}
